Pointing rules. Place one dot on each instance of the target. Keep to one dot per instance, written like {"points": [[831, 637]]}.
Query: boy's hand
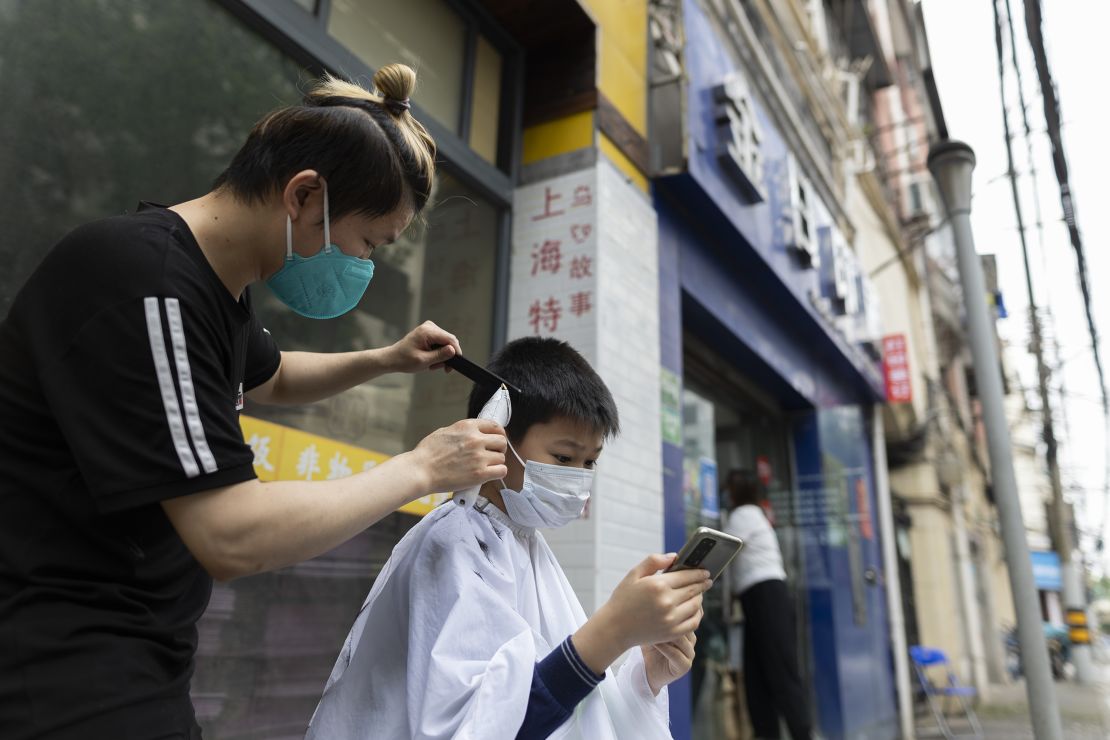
{"points": [[424, 348], [468, 453], [666, 662], [647, 607]]}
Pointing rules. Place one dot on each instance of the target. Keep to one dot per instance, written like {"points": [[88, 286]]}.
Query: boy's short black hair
{"points": [[556, 381]]}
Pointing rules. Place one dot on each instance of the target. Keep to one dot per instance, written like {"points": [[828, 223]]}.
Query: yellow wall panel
{"points": [[621, 77], [625, 22], [625, 86], [558, 137], [284, 453], [622, 56]]}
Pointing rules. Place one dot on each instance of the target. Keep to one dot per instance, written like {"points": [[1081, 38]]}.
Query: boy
{"points": [[473, 631]]}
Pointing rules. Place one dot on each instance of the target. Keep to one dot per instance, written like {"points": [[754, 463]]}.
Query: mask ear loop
{"points": [[327, 221], [522, 463], [288, 237]]}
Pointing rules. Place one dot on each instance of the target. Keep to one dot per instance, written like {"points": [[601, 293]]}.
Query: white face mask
{"points": [[551, 495]]}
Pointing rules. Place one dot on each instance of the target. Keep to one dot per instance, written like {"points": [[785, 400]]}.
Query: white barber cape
{"points": [[446, 643]]}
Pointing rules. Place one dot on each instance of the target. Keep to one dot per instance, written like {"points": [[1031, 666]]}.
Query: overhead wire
{"points": [[1034, 29]]}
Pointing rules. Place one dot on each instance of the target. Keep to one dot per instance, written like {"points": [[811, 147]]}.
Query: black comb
{"points": [[479, 375]]}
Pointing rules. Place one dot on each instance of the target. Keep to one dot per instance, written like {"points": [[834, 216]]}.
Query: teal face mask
{"points": [[325, 285]]}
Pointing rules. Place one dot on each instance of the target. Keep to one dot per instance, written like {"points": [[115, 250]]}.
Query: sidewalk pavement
{"points": [[1084, 712]]}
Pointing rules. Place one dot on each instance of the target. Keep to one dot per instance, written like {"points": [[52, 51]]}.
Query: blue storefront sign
{"points": [[1046, 570]]}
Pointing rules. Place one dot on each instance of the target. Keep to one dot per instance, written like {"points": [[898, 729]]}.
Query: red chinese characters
{"points": [[545, 315], [582, 196], [549, 199], [547, 257], [563, 238], [581, 232], [580, 303], [581, 267]]}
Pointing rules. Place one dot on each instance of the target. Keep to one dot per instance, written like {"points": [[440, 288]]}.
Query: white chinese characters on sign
{"points": [[338, 467], [308, 462], [260, 446], [801, 234], [739, 138]]}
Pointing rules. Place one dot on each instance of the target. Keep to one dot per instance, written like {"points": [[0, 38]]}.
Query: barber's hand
{"points": [[665, 662], [649, 607], [424, 348], [465, 454]]}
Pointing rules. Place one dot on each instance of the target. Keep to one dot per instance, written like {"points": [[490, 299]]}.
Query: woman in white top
{"points": [[772, 684]]}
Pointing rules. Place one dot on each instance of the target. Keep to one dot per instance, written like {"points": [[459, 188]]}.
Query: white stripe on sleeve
{"points": [[185, 380], [165, 385]]}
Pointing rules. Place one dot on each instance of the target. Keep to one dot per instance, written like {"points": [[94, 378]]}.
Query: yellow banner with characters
{"points": [[285, 453]]}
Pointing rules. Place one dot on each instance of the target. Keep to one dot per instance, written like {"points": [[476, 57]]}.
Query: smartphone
{"points": [[708, 549]]}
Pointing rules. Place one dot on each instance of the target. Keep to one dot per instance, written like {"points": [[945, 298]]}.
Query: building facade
{"points": [[771, 330], [955, 590]]}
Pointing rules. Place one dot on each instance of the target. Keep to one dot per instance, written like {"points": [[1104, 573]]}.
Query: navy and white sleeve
{"points": [[559, 682]]}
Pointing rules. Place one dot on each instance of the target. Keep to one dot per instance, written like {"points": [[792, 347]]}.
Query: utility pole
{"points": [[1074, 592], [951, 163]]}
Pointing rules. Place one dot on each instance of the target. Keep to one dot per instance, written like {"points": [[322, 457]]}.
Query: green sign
{"points": [[670, 406]]}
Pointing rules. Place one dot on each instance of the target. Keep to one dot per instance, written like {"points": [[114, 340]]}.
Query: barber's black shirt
{"points": [[123, 362]]}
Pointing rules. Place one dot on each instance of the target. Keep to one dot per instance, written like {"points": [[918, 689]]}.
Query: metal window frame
{"points": [[303, 37]]}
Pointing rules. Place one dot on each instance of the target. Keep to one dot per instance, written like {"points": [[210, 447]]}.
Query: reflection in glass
{"points": [[427, 35], [87, 134], [485, 112]]}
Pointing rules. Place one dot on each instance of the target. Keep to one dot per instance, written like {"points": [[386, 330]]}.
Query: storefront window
{"points": [[485, 112], [729, 427], [113, 102], [89, 134], [427, 35]]}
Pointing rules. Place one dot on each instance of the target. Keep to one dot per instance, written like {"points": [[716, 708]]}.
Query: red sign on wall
{"points": [[896, 369], [763, 469]]}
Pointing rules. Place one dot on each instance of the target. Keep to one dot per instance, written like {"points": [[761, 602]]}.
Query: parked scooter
{"points": [[1059, 651]]}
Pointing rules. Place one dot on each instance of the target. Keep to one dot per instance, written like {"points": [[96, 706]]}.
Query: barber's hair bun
{"points": [[395, 82]]}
